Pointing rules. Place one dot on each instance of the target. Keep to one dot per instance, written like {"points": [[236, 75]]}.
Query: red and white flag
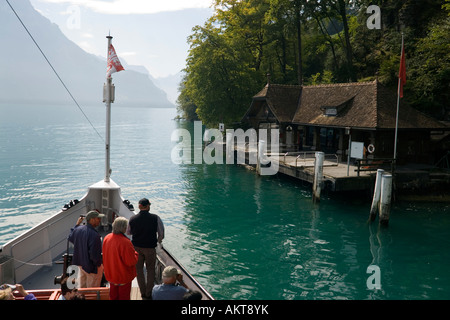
{"points": [[114, 64]]}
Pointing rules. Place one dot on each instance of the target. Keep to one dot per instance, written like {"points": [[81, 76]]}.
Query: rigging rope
{"points": [[34, 264], [56, 73]]}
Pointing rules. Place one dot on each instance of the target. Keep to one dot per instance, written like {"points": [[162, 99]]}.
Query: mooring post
{"points": [[260, 158], [385, 198], [376, 195], [318, 176]]}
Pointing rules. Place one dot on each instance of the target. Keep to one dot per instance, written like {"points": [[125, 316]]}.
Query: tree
{"points": [[313, 42], [185, 106], [219, 77], [287, 16], [332, 18], [430, 71], [342, 5]]}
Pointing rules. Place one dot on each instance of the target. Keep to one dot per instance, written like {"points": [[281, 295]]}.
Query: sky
{"points": [[149, 33]]}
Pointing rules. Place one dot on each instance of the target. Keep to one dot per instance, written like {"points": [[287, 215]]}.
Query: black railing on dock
{"points": [[375, 164]]}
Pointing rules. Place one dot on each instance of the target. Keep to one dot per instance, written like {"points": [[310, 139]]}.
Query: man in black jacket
{"points": [[147, 230]]}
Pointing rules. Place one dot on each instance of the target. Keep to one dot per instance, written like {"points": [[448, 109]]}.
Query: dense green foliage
{"points": [[312, 42]]}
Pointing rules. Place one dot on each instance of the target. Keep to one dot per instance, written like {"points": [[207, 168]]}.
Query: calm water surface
{"points": [[242, 236]]}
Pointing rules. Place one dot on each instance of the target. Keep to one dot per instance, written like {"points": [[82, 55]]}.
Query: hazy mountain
{"points": [[170, 85], [26, 77]]}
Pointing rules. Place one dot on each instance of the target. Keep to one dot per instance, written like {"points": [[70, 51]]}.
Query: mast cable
{"points": [[56, 73]]}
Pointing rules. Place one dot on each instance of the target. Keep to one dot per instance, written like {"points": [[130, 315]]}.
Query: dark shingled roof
{"points": [[360, 105], [282, 101], [367, 105]]}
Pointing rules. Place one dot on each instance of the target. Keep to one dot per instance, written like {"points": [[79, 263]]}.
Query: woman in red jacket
{"points": [[119, 261]]}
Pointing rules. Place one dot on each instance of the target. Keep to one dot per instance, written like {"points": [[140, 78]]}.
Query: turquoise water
{"points": [[241, 235]]}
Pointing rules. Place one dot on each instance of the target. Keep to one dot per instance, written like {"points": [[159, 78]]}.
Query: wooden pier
{"points": [[356, 176], [336, 176]]}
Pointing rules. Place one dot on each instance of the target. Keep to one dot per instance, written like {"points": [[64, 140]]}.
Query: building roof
{"points": [[366, 105], [282, 101]]}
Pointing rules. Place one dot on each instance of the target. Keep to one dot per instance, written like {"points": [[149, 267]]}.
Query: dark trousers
{"points": [[147, 256]]}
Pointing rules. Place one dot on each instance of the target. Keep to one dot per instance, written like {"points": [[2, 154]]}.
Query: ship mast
{"points": [[108, 95]]}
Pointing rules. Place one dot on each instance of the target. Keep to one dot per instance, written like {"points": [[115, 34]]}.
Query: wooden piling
{"points": [[376, 195], [318, 176], [385, 199]]}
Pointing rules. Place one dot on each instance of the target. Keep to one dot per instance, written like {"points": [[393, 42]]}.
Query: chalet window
{"points": [[330, 111], [335, 109]]}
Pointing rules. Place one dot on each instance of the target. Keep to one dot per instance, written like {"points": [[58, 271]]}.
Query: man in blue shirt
{"points": [[169, 290], [87, 251]]}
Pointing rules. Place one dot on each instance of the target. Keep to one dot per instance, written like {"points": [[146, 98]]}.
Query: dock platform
{"points": [[342, 177], [336, 176]]}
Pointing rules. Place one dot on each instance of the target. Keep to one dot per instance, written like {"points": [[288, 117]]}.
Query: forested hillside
{"points": [[313, 42]]}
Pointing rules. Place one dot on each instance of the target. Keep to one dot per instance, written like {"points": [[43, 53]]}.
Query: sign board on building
{"points": [[357, 150]]}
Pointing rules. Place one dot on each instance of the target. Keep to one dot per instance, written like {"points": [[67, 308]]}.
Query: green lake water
{"points": [[243, 236]]}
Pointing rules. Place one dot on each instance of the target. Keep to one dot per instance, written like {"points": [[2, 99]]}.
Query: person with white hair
{"points": [[173, 286], [119, 261]]}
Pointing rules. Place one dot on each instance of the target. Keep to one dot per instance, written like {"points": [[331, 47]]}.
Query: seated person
{"points": [[169, 290], [6, 292], [66, 293]]}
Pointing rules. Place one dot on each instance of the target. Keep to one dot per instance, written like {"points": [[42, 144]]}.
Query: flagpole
{"points": [[398, 107], [108, 119]]}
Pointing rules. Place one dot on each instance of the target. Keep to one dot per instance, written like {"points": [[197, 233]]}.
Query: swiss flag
{"points": [[113, 62], [402, 71]]}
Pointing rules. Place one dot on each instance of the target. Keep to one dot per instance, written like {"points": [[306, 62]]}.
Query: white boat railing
{"points": [[42, 244], [45, 226]]}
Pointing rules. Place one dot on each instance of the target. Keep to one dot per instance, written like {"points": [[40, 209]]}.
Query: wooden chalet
{"points": [[322, 117]]}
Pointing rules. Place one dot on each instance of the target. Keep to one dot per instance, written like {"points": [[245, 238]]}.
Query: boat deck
{"points": [[40, 281], [135, 293], [44, 279]]}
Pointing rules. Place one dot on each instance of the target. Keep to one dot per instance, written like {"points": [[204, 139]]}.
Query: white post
{"points": [[108, 120], [318, 176], [376, 195], [385, 199]]}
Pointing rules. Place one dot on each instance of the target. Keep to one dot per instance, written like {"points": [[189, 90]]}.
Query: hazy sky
{"points": [[151, 33]]}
